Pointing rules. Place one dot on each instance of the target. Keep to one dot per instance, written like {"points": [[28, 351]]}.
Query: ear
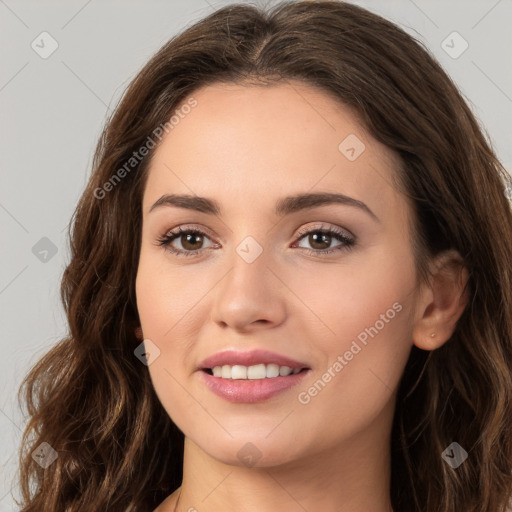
{"points": [[442, 302]]}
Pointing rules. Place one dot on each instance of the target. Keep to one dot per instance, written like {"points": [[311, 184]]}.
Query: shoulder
{"points": [[169, 503]]}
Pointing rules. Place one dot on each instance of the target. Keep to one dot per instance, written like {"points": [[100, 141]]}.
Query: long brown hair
{"points": [[92, 400]]}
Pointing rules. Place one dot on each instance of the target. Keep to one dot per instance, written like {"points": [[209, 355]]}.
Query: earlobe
{"points": [[444, 303]]}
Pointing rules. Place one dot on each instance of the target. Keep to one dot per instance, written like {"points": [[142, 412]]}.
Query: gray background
{"points": [[53, 110]]}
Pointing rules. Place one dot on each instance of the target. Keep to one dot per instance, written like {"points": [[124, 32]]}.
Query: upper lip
{"points": [[249, 358]]}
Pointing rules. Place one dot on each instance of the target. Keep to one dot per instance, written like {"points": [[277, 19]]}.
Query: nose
{"points": [[251, 295]]}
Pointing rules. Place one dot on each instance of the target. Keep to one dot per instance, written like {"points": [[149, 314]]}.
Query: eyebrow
{"points": [[284, 206]]}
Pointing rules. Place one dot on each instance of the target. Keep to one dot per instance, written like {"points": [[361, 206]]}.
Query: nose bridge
{"points": [[249, 266], [250, 291]]}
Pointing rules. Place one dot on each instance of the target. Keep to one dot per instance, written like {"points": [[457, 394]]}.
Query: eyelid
{"points": [[326, 227], [186, 227], [348, 241], [304, 229], [320, 225]]}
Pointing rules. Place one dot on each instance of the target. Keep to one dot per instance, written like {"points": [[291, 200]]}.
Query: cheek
{"points": [[365, 336], [170, 307], [163, 299], [166, 295], [367, 296]]}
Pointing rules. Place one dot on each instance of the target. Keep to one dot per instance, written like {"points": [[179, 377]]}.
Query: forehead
{"points": [[247, 145]]}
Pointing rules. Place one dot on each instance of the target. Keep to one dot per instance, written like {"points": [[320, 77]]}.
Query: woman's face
{"points": [[342, 304]]}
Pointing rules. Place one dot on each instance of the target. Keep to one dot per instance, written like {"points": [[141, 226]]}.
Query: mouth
{"points": [[251, 376]]}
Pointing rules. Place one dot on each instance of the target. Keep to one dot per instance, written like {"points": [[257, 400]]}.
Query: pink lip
{"points": [[249, 358], [251, 391]]}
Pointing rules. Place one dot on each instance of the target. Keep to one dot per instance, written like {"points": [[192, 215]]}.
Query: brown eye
{"points": [[191, 241], [320, 240]]}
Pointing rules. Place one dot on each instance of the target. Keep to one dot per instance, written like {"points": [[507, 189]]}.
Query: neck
{"points": [[352, 477]]}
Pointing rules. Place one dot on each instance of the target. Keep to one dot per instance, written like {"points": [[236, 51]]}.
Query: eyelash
{"points": [[348, 243], [166, 240]]}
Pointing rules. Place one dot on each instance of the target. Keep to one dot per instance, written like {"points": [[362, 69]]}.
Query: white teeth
{"points": [[272, 370], [255, 372], [238, 372], [284, 371]]}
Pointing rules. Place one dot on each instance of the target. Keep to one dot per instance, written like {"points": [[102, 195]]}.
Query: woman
{"points": [[290, 284]]}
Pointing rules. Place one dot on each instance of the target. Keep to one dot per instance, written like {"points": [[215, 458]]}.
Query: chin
{"points": [[247, 450]]}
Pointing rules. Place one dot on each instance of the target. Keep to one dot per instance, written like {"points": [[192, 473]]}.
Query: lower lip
{"points": [[251, 391]]}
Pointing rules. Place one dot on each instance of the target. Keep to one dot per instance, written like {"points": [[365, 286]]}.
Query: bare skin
{"points": [[246, 147]]}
